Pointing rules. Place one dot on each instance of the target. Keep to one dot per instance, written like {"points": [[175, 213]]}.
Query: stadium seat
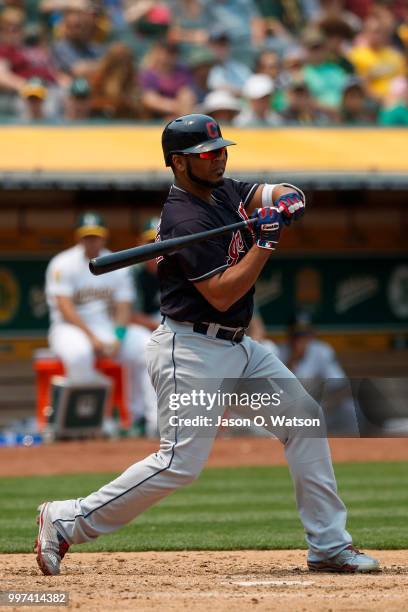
{"points": [[47, 365]]}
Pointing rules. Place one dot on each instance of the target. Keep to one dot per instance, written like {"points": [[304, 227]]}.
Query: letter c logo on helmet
{"points": [[212, 129]]}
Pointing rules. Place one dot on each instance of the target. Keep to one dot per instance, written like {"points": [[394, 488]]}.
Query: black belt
{"points": [[216, 331], [234, 335]]}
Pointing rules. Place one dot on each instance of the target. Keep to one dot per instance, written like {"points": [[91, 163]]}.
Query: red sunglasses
{"points": [[212, 154]]}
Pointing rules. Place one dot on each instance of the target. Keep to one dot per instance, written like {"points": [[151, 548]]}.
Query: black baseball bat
{"points": [[129, 257]]}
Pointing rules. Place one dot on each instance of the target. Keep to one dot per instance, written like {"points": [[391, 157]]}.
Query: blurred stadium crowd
{"points": [[246, 62]]}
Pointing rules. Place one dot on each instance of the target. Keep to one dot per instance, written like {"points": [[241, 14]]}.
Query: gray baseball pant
{"points": [[177, 360]]}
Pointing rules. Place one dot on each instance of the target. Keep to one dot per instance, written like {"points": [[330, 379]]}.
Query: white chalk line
{"points": [[250, 583]]}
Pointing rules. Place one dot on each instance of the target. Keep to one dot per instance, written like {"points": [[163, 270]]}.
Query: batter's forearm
{"points": [[223, 290]]}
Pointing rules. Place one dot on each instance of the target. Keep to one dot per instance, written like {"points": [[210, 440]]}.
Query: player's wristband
{"points": [[120, 332], [269, 245]]}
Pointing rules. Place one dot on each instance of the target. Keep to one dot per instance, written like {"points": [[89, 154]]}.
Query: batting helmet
{"points": [[192, 134]]}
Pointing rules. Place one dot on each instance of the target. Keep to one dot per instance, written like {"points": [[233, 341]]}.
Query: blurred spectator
{"points": [[386, 17], [280, 16], [29, 7], [33, 95], [293, 61], [356, 107], [78, 100], [74, 54], [257, 91], [53, 11], [395, 111], [15, 57], [18, 63], [277, 37], [361, 8], [241, 21], [269, 63], [301, 108], [95, 18], [200, 62], [99, 24], [115, 10], [38, 52], [229, 73], [189, 25], [324, 78], [153, 17], [10, 83], [375, 60], [115, 94], [221, 105], [329, 9], [166, 84], [150, 21], [338, 34], [401, 32]]}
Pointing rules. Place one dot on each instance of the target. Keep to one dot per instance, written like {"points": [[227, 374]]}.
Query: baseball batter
{"points": [[90, 315], [201, 348]]}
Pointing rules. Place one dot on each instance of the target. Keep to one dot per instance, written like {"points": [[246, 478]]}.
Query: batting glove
{"points": [[291, 205], [268, 227]]}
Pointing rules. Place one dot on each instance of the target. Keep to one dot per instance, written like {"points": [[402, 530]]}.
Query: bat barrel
{"points": [[129, 257], [122, 259]]}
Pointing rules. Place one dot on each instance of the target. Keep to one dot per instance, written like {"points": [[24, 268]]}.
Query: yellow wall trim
{"points": [[128, 148]]}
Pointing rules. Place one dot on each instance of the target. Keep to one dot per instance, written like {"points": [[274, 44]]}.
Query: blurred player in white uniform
{"points": [[315, 363], [90, 317]]}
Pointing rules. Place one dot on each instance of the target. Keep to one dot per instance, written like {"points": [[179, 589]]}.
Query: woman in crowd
{"points": [[115, 94], [165, 83]]}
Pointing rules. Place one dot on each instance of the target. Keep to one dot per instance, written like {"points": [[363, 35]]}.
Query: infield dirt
{"points": [[216, 581]]}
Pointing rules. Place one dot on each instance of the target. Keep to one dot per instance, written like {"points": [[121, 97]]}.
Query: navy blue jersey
{"points": [[184, 213]]}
